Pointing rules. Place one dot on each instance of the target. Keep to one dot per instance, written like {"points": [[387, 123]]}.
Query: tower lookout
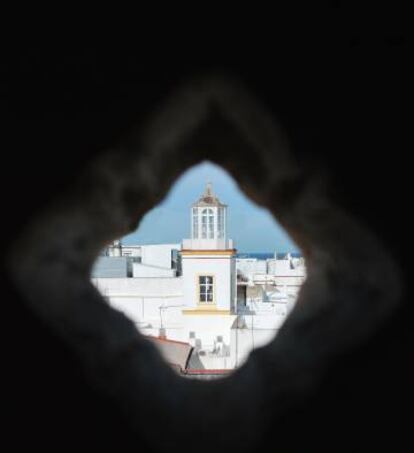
{"points": [[208, 262], [208, 224]]}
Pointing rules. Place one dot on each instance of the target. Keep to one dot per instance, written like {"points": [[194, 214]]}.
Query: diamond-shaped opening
{"points": [[208, 276]]}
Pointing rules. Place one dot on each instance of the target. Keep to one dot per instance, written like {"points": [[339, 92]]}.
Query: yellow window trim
{"points": [[208, 305]]}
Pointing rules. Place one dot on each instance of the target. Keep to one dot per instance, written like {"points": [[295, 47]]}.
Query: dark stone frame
{"points": [[348, 293]]}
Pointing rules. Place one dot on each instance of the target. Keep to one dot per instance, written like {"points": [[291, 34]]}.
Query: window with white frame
{"points": [[211, 224], [220, 223], [195, 223], [206, 288], [207, 224]]}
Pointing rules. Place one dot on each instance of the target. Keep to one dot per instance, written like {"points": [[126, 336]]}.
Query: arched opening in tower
{"points": [[208, 275]]}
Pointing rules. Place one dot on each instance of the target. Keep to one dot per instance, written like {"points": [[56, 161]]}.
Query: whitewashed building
{"points": [[198, 293]]}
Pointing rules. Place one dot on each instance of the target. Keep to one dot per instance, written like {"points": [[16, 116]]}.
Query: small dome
{"points": [[208, 198]]}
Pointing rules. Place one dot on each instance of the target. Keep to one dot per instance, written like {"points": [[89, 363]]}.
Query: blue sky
{"points": [[252, 228]]}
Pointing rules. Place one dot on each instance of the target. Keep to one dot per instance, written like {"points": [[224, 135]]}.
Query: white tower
{"points": [[209, 271]]}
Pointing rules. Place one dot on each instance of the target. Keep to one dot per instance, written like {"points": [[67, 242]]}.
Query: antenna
{"points": [[209, 188]]}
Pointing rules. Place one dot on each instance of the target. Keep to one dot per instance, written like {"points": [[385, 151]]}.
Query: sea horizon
{"points": [[267, 255]]}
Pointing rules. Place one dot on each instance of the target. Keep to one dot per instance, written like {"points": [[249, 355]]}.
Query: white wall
{"points": [[158, 254], [142, 270], [221, 267], [207, 328], [141, 299], [131, 250], [250, 266], [216, 363], [139, 287], [207, 244], [284, 268]]}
